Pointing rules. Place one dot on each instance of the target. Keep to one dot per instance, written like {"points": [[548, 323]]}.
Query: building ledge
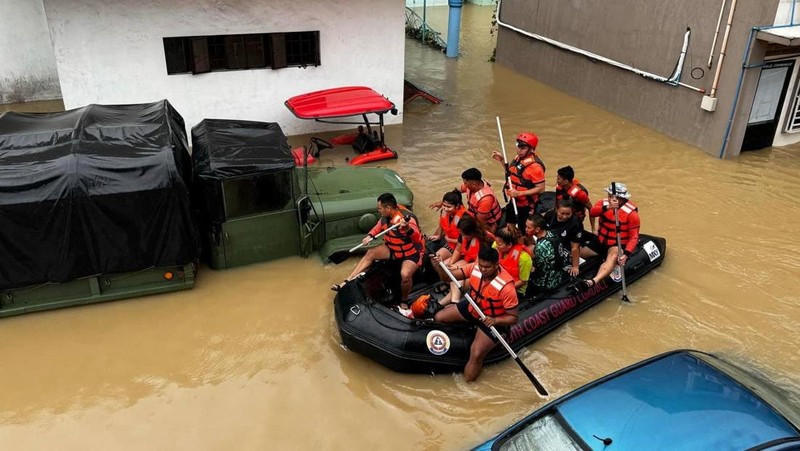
{"points": [[788, 36]]}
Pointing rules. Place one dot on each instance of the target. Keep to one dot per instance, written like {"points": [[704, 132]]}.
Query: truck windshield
{"points": [[546, 433], [257, 194]]}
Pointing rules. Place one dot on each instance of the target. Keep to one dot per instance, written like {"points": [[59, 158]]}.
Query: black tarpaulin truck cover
{"points": [[223, 148], [95, 190]]}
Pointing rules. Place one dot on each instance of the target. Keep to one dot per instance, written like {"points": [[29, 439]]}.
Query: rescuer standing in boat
{"points": [[526, 173]]}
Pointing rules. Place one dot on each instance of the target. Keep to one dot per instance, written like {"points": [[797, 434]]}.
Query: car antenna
{"points": [[606, 441]]}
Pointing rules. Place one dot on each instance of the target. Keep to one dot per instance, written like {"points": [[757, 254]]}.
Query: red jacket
{"points": [[628, 224]]}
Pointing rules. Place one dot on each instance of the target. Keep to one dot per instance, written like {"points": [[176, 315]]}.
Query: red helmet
{"points": [[419, 306], [528, 138]]}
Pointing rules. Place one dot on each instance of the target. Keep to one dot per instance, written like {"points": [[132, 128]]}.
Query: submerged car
{"points": [[678, 400]]}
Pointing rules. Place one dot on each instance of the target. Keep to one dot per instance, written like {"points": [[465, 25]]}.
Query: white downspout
{"points": [[594, 56], [716, 34], [709, 102], [722, 50]]}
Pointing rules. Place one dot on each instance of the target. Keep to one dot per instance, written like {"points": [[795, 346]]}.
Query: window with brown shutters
{"points": [[201, 54]]}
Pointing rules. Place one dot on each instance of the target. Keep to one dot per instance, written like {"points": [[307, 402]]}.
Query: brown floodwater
{"points": [[251, 359]]}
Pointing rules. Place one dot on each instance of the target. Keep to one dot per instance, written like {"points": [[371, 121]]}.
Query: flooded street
{"points": [[251, 359]]}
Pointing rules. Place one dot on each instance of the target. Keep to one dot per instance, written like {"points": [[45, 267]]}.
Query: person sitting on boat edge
{"points": [[618, 202], [405, 244], [444, 240], [515, 257], [492, 288], [563, 223], [526, 172], [548, 263], [568, 187], [473, 236]]}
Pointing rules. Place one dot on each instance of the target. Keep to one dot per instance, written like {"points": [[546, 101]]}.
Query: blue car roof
{"points": [[678, 401]]}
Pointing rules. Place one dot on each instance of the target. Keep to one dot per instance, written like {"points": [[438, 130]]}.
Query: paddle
{"points": [[619, 245], [505, 162], [339, 257], [539, 387]]}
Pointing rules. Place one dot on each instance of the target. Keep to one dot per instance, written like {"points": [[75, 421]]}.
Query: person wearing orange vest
{"points": [[515, 257], [568, 187], [481, 200], [404, 244], [444, 240], [492, 288], [473, 236], [526, 174], [606, 241]]}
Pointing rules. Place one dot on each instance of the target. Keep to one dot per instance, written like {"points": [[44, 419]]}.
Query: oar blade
{"points": [[339, 257], [538, 385]]}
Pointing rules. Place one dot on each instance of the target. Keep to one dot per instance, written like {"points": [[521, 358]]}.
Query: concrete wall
{"points": [[111, 51], [647, 35], [27, 65]]}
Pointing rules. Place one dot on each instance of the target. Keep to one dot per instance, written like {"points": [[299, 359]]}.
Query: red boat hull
{"points": [[381, 153], [299, 159]]}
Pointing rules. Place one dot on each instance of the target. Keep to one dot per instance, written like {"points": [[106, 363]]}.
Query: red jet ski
{"points": [[329, 104]]}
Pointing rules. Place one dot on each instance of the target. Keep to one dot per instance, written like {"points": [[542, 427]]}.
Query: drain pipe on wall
{"points": [[672, 81], [454, 27], [709, 102], [716, 34]]}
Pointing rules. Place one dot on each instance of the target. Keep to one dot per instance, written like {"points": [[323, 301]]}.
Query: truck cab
{"points": [[255, 204]]}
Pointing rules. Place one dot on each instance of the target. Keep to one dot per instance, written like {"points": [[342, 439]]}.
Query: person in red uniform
{"points": [[568, 187], [526, 173], [492, 288], [473, 235], [481, 200], [404, 244], [606, 241], [444, 240]]}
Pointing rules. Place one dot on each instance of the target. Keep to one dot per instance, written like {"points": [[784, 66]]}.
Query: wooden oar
{"points": [[505, 162], [539, 387], [339, 257]]}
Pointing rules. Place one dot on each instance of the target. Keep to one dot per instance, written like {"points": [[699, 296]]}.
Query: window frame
{"points": [[248, 51]]}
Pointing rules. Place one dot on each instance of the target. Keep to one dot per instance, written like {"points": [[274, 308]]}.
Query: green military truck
{"points": [[105, 202], [255, 203], [94, 206]]}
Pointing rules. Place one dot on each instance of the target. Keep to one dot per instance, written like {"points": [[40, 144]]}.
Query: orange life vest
{"points": [[515, 172], [402, 244], [474, 198], [606, 232], [510, 261], [449, 224], [578, 208], [471, 246], [487, 295]]}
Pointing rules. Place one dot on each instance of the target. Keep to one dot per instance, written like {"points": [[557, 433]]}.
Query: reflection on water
{"points": [[250, 358]]}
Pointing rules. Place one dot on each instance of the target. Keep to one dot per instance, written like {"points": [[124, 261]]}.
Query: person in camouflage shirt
{"points": [[548, 260]]}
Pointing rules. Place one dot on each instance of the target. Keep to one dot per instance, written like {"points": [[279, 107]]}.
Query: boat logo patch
{"points": [[616, 274], [652, 250], [438, 342]]}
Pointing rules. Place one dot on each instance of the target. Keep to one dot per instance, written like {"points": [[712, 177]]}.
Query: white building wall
{"points": [[27, 65], [111, 51]]}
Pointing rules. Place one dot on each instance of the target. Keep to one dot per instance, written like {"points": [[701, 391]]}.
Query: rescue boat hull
{"points": [[369, 326]]}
